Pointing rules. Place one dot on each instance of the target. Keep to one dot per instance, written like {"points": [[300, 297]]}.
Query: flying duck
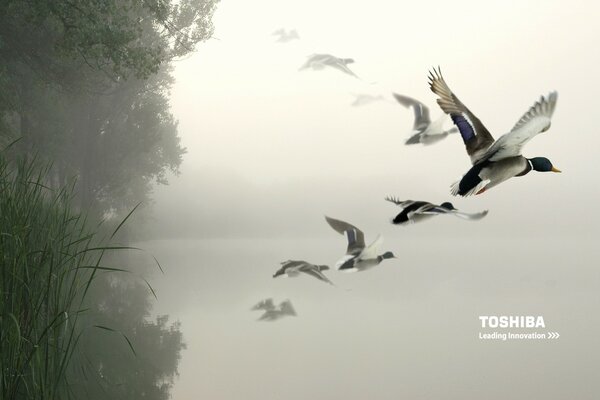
{"points": [[416, 211], [284, 309], [265, 305], [293, 268], [284, 36], [318, 62], [494, 161], [424, 131], [358, 256]]}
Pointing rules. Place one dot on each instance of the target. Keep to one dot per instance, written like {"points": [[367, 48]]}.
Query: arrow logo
{"points": [[553, 335]]}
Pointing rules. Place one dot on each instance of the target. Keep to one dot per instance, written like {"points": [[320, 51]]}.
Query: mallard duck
{"points": [[424, 131], [358, 256], [416, 211], [318, 62], [293, 268], [494, 161]]}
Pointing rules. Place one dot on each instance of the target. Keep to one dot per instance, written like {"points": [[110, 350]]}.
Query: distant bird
{"points": [[358, 256], [424, 131], [293, 268], [364, 99], [417, 211], [494, 161], [284, 309], [317, 62], [265, 305], [284, 36]]}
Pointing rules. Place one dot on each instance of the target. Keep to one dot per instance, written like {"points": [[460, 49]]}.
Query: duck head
{"points": [[278, 273], [542, 164], [447, 205], [388, 254]]}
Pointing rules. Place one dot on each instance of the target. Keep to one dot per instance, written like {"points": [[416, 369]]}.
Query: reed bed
{"points": [[48, 260]]}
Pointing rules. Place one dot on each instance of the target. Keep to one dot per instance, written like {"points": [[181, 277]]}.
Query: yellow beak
{"points": [[556, 169]]}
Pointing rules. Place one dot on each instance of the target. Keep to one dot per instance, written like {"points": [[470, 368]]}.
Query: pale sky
{"points": [[271, 150]]}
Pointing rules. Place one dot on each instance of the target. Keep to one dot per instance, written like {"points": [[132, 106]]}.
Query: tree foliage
{"points": [[86, 84]]}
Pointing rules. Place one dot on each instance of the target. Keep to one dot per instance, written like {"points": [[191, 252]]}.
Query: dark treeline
{"points": [[84, 93], [85, 84]]}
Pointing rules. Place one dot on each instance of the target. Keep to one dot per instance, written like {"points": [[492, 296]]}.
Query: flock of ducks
{"points": [[492, 163]]}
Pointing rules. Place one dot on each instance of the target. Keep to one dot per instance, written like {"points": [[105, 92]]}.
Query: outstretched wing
{"points": [[266, 305], [475, 135], [401, 203], [341, 67], [373, 250], [312, 271], [421, 111], [287, 308], [535, 121], [356, 238], [469, 216]]}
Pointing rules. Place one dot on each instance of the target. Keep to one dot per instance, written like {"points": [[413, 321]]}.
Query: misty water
{"points": [[409, 327]]}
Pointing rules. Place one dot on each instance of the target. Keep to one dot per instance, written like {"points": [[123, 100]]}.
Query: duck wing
{"points": [[421, 111], [401, 203], [355, 237], [265, 305], [312, 271], [475, 135], [469, 216], [535, 121], [287, 308], [372, 251]]}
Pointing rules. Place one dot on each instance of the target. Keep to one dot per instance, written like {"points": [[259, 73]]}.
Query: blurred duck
{"points": [[284, 309], [318, 62], [424, 131], [284, 36]]}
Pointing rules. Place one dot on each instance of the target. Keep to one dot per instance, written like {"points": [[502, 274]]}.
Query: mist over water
{"points": [[272, 150], [219, 157]]}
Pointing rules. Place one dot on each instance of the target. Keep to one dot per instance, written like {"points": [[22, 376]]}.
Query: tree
{"points": [[85, 84]]}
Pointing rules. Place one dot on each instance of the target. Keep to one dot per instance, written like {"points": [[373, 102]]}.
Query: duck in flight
{"points": [[293, 268], [494, 161], [359, 257], [424, 131], [265, 305], [417, 211], [286, 36], [273, 312], [317, 62]]}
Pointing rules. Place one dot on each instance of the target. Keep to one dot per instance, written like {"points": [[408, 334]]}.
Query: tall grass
{"points": [[47, 263]]}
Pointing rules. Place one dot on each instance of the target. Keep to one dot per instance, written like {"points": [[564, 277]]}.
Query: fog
{"points": [[271, 150], [160, 160]]}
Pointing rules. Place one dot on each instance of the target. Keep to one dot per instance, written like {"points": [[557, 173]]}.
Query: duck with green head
{"points": [[494, 161]]}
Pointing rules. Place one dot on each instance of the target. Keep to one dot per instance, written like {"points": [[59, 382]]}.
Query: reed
{"points": [[48, 260]]}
